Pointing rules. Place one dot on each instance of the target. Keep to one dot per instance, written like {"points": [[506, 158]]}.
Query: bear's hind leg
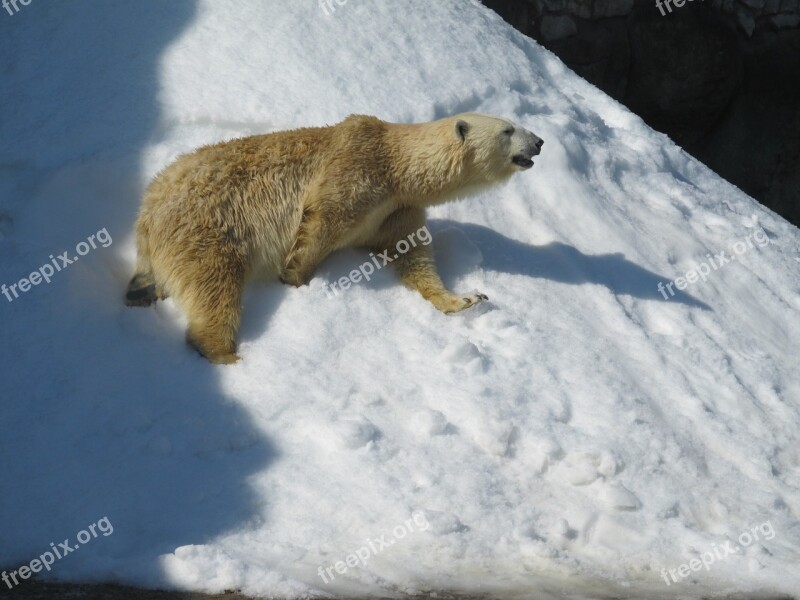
{"points": [[141, 290], [213, 307]]}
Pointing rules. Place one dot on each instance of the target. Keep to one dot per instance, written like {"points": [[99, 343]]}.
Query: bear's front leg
{"points": [[296, 272], [312, 244], [417, 268]]}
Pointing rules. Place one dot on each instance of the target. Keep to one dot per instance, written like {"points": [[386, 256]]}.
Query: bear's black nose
{"points": [[536, 148]]}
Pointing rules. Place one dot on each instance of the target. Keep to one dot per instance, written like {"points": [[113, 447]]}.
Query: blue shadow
{"points": [[103, 411], [566, 264]]}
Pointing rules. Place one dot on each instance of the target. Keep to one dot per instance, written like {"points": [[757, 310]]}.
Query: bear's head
{"points": [[495, 148]]}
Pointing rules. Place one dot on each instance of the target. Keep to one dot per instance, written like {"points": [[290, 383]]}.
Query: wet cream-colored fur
{"points": [[276, 205]]}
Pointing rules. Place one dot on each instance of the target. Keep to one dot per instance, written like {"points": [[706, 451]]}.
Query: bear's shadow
{"points": [[558, 262], [554, 261]]}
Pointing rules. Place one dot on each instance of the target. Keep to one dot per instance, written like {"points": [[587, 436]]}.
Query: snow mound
{"points": [[588, 431]]}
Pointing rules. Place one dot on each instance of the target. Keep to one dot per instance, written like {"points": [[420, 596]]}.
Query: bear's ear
{"points": [[461, 130]]}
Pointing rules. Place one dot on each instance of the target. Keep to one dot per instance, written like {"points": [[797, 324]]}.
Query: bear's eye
{"points": [[509, 131]]}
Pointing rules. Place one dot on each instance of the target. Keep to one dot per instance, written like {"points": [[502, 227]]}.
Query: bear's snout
{"points": [[535, 143], [530, 145]]}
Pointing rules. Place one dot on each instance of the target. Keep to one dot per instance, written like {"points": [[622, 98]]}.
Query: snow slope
{"points": [[571, 438]]}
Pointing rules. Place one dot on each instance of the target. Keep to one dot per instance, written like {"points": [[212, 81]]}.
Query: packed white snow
{"points": [[585, 433]]}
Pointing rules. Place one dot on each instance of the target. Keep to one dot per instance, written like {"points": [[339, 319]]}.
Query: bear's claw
{"points": [[476, 299]]}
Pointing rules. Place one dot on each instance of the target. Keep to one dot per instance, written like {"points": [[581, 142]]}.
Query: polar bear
{"points": [[276, 205]]}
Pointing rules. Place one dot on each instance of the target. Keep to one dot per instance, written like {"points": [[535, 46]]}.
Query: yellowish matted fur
{"points": [[276, 205]]}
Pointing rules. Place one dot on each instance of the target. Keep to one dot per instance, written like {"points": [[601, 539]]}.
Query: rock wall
{"points": [[557, 17], [721, 77]]}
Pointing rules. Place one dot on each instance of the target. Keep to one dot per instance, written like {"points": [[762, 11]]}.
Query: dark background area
{"points": [[720, 77]]}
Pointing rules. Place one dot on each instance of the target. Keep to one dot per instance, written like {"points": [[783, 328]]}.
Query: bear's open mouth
{"points": [[522, 161]]}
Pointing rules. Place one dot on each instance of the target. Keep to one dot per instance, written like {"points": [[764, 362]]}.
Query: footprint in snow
{"points": [[442, 523], [467, 356], [494, 436], [582, 468], [618, 497], [429, 423], [546, 453], [350, 434]]}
